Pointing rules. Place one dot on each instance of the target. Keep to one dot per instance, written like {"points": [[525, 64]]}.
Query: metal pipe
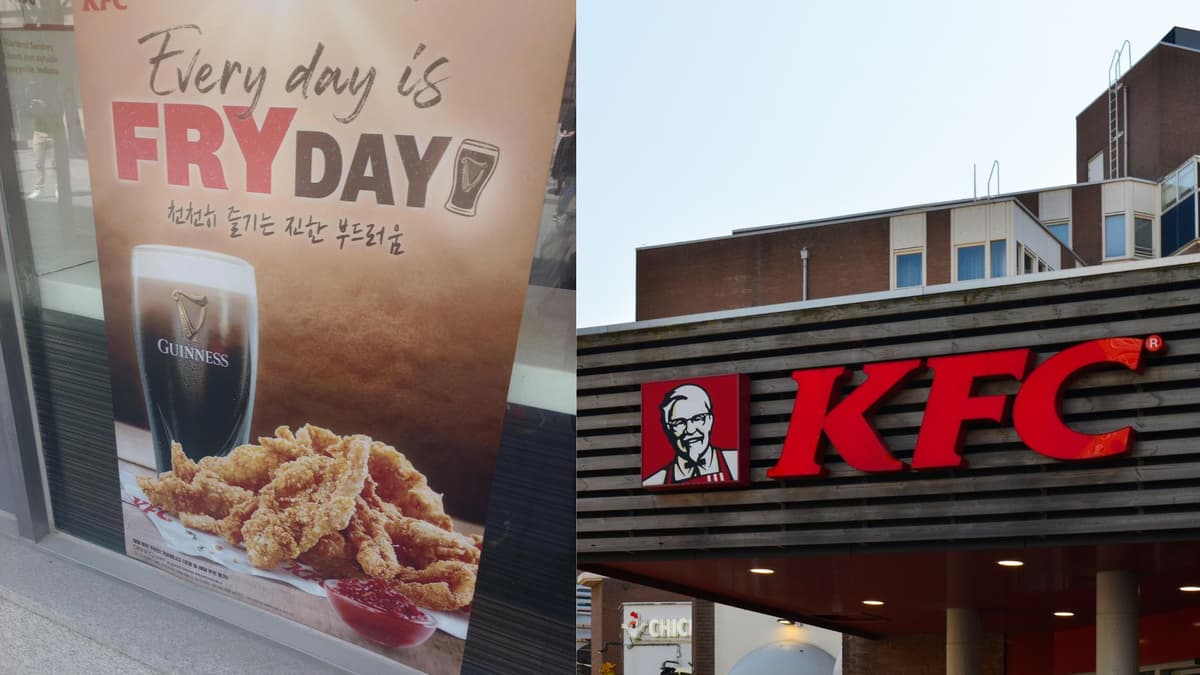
{"points": [[804, 282]]}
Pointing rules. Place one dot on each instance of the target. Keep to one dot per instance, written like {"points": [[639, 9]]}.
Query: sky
{"points": [[699, 117]]}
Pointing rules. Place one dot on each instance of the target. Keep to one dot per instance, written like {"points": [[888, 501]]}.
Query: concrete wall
{"points": [[739, 632], [1036, 239]]}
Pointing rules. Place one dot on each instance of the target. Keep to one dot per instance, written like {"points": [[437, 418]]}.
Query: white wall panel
{"points": [[1054, 205], [908, 231]]}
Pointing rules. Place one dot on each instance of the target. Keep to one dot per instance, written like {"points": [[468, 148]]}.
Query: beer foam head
{"points": [[193, 266]]}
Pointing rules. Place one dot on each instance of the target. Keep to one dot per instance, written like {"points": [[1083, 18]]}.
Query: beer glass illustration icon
{"points": [[195, 325], [473, 168]]}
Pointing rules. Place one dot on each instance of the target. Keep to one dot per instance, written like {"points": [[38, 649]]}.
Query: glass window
{"points": [[1143, 237], [1187, 179], [970, 262], [1096, 167], [1061, 231], [1029, 262], [1170, 190], [999, 260], [1114, 236], [909, 270]]}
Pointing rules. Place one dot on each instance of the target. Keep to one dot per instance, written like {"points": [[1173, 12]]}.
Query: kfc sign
{"points": [[1035, 410], [696, 433]]}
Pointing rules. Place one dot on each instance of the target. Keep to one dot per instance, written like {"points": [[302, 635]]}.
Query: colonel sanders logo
{"points": [[696, 433]]}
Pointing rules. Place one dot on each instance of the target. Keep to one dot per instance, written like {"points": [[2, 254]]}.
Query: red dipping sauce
{"points": [[380, 613]]}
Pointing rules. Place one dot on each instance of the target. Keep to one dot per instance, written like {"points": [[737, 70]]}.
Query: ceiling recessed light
{"points": [[761, 570], [1190, 589], [873, 603], [1010, 563], [1064, 615], [786, 622]]}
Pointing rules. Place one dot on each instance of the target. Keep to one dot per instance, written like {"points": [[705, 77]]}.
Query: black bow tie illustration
{"points": [[693, 467]]}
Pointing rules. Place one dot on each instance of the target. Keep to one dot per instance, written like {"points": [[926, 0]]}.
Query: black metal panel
{"points": [[523, 619], [1007, 494], [68, 361]]}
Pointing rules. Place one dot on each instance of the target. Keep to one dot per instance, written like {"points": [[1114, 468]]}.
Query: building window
{"points": [[1114, 236], [1170, 190], [1177, 225], [1029, 262], [999, 260], [910, 269], [1143, 237], [1179, 184], [1061, 231], [971, 263], [1187, 179], [1096, 167]]}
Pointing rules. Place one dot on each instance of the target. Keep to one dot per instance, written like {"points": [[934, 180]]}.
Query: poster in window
{"points": [[315, 226]]}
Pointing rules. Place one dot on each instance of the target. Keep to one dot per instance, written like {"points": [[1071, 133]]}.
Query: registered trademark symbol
{"points": [[1155, 343]]}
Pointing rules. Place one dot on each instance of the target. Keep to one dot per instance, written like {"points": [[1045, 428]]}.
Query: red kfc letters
{"points": [[1036, 409]]}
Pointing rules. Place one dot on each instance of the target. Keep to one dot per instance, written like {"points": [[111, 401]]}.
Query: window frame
{"points": [[958, 248], [991, 256], [896, 255], [1124, 215], [1055, 223], [1150, 252]]}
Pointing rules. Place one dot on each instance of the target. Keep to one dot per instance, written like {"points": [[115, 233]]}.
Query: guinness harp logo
{"points": [[473, 173], [190, 329]]}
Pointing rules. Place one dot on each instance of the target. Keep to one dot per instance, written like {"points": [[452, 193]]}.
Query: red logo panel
{"points": [[696, 433]]}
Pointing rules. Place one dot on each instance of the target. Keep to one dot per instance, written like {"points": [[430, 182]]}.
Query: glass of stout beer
{"points": [[473, 168], [195, 321]]}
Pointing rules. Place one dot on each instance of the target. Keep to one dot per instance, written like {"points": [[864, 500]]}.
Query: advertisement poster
{"points": [[315, 225]]}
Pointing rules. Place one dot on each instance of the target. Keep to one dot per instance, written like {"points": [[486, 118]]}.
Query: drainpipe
{"points": [[804, 284]]}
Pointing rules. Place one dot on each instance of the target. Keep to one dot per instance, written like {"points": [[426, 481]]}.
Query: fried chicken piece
{"points": [[231, 525], [318, 439], [400, 484], [205, 494], [307, 499], [420, 543], [181, 465], [252, 466], [445, 586], [372, 545], [333, 558]]}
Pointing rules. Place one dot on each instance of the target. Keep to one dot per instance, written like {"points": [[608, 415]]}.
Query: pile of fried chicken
{"points": [[346, 506]]}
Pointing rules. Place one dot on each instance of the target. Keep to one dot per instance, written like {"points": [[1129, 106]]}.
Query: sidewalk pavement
{"points": [[59, 617]]}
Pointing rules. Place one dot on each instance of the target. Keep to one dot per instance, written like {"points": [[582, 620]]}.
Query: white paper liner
{"points": [[294, 573]]}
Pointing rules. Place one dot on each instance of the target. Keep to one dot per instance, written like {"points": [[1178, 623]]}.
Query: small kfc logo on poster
{"points": [[696, 433]]}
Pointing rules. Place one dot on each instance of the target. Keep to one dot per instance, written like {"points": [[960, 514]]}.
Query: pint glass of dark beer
{"points": [[195, 322], [473, 168]]}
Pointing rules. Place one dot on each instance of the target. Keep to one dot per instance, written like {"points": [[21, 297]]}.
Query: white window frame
{"points": [[1128, 236], [987, 266], [896, 266], [1153, 233], [1070, 230], [1091, 160]]}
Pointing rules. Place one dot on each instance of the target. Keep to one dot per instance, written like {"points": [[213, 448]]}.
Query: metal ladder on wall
{"points": [[1118, 123]]}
